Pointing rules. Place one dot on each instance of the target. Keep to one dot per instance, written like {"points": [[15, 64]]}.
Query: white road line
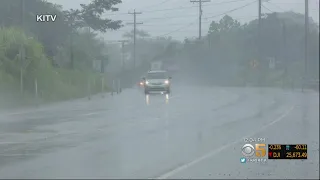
{"points": [[216, 151]]}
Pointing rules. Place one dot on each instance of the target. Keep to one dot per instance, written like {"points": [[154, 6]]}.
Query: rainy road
{"points": [[193, 133]]}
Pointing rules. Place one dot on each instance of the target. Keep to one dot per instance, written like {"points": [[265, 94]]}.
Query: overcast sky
{"points": [[179, 18]]}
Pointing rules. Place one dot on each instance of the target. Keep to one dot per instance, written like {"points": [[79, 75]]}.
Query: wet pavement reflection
{"points": [[148, 97]]}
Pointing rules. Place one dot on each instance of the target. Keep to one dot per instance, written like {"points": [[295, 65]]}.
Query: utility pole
{"points": [[260, 64], [22, 13], [285, 59], [90, 55], [22, 50], [122, 54], [200, 13], [259, 41], [306, 32], [102, 68], [259, 58], [259, 31], [134, 34], [71, 48], [72, 23]]}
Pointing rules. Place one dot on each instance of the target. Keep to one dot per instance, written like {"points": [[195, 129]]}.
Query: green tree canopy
{"points": [[90, 15], [231, 48], [23, 13]]}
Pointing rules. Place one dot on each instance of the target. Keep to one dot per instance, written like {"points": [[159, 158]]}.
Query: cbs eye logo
{"points": [[259, 150]]}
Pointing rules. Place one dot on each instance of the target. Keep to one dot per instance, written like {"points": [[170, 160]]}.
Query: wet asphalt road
{"points": [[193, 133]]}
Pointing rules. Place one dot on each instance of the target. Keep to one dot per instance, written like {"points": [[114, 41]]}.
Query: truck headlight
{"points": [[147, 82], [166, 82]]}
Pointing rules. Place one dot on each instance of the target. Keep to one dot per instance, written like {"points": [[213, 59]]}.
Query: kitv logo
{"points": [[46, 18]]}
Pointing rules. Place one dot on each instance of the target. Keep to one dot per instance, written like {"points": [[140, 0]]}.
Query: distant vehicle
{"points": [[157, 81]]}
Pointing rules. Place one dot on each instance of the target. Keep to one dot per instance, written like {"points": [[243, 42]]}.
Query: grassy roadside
{"points": [[67, 85]]}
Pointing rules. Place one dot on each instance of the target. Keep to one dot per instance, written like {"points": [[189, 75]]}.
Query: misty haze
{"points": [[159, 89]]}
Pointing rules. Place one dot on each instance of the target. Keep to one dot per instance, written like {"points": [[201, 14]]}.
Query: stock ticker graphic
{"points": [[287, 151], [258, 152]]}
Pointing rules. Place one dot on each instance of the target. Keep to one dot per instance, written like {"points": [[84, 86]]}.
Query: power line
{"points": [[170, 17], [188, 7], [267, 8], [179, 8], [163, 2], [151, 11], [275, 5], [181, 24], [182, 28], [235, 9], [210, 17], [186, 16], [179, 29]]}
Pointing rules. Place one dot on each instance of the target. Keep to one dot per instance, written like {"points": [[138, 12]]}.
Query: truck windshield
{"points": [[156, 76]]}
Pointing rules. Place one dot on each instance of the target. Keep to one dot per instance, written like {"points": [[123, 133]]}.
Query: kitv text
{"points": [[46, 18]]}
